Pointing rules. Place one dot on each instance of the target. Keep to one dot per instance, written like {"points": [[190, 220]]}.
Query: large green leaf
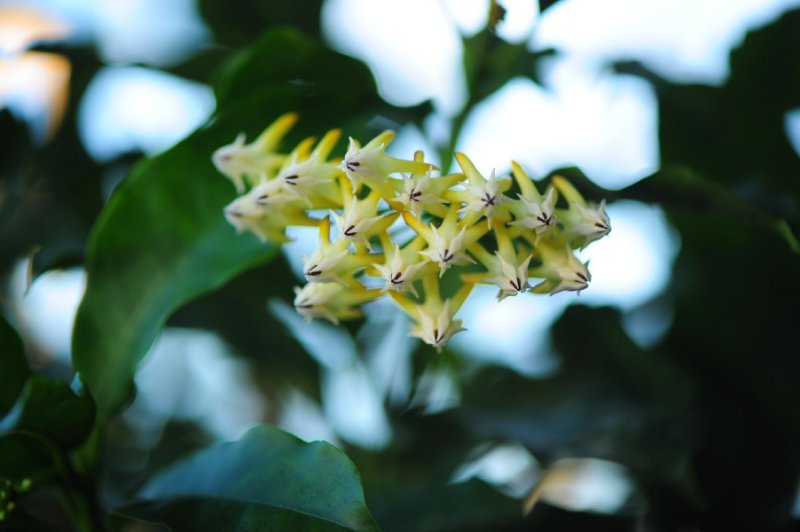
{"points": [[50, 408], [13, 366], [268, 480], [162, 240]]}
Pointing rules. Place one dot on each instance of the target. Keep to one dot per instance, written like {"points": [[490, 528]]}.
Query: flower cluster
{"points": [[503, 238]]}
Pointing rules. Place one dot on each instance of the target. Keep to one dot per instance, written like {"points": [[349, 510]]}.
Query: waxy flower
{"points": [[560, 269], [505, 268], [332, 261], [239, 161], [434, 321], [331, 301], [448, 242], [360, 219], [584, 223], [482, 196], [371, 165], [421, 192], [369, 190], [402, 266], [308, 175], [266, 211], [532, 210]]}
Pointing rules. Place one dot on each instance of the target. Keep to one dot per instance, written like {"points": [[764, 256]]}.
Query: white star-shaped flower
{"points": [[398, 273], [437, 328]]}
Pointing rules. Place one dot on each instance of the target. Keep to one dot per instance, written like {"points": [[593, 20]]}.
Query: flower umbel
{"points": [[532, 236]]}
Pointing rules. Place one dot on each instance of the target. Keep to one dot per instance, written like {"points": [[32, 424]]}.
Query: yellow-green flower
{"points": [[360, 219], [434, 321], [532, 210], [310, 176], [266, 211], [331, 301], [372, 166], [332, 261], [448, 242], [506, 268], [482, 196], [560, 269], [402, 266], [421, 192], [239, 161], [583, 222]]}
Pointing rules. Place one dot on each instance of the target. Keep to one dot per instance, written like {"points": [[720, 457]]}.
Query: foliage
{"points": [[266, 477], [705, 421]]}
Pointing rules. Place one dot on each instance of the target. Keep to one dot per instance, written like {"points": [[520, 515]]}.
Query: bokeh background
{"points": [[664, 396]]}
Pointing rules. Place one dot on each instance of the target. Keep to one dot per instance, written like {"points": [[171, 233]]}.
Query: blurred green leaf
{"points": [[50, 408], [268, 479], [609, 399], [13, 366], [546, 4], [328, 88], [50, 194], [680, 188], [409, 485], [490, 62], [27, 456], [240, 22], [735, 135], [737, 294]]}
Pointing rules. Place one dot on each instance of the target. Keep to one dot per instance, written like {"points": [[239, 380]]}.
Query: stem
{"points": [[79, 510]]}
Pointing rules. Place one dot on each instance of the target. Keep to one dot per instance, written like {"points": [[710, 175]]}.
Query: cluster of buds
{"points": [[463, 223], [9, 492]]}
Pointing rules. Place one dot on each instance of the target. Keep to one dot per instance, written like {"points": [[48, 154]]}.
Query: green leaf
{"points": [[268, 480], [243, 24], [161, 241], [13, 366], [50, 408], [681, 189], [284, 67]]}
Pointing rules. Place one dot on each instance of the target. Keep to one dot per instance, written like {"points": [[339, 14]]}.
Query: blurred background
{"points": [[664, 396]]}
